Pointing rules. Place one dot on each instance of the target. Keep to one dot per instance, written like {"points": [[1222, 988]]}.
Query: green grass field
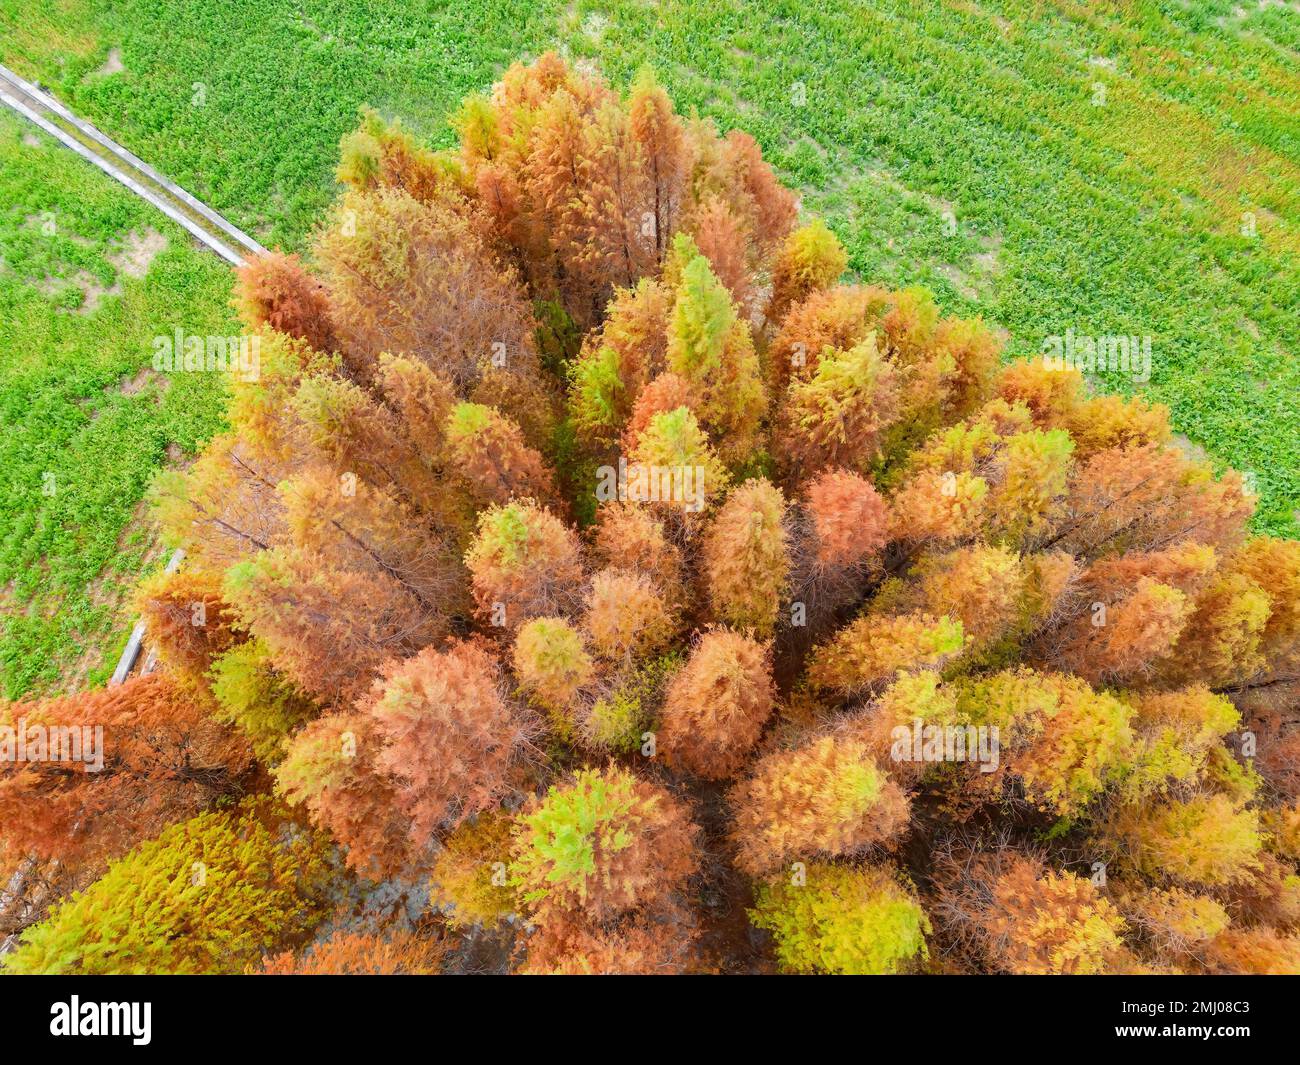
{"points": [[85, 422], [1122, 168]]}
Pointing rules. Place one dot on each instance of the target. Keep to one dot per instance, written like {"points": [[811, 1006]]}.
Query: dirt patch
{"points": [[817, 148], [46, 224], [1193, 451], [131, 256], [964, 285], [33, 141], [988, 260], [113, 64], [92, 292], [137, 383], [137, 252], [974, 283]]}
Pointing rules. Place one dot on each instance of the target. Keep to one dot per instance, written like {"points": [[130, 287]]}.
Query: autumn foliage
{"points": [[361, 954], [601, 845], [208, 895], [594, 555], [432, 743], [843, 920], [162, 758], [717, 705]]}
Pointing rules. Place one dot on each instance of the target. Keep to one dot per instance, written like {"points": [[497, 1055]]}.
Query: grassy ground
{"points": [[85, 422], [243, 102], [1122, 168]]}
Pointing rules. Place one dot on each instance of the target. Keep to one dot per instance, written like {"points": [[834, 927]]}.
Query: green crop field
{"points": [[86, 422], [1123, 168]]}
